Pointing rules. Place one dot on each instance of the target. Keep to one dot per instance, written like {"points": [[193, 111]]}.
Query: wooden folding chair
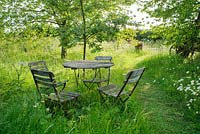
{"points": [[121, 93], [98, 78], [48, 87]]}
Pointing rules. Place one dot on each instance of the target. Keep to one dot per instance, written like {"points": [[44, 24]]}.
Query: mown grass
{"points": [[156, 106]]}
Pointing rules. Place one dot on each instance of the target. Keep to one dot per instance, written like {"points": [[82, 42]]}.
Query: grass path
{"points": [[165, 116]]}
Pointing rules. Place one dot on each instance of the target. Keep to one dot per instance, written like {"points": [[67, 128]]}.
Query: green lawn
{"points": [[155, 107]]}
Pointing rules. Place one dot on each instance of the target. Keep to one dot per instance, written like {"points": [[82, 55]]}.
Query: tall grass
{"points": [[155, 107]]}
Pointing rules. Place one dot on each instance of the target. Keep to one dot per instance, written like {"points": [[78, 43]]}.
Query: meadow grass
{"points": [[155, 107]]}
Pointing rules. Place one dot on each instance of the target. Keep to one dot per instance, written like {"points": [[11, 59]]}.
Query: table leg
{"points": [[76, 77]]}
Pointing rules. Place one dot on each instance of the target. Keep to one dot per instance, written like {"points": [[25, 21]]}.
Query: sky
{"points": [[142, 17]]}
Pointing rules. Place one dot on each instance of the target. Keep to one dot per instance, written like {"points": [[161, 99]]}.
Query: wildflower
{"points": [[163, 78], [187, 88], [191, 100], [154, 81], [198, 87], [187, 72], [47, 109], [180, 88], [197, 112], [197, 67], [36, 105], [180, 80], [192, 82]]}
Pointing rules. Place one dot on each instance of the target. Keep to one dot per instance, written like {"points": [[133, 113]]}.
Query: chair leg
{"points": [[76, 77]]}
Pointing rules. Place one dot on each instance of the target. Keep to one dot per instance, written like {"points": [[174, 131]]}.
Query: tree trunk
{"points": [[84, 30], [63, 52]]}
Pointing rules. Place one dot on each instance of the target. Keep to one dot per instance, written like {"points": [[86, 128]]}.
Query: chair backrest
{"points": [[132, 77], [44, 80], [103, 58], [107, 59], [38, 65]]}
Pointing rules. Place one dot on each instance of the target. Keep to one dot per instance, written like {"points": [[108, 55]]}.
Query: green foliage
{"points": [[126, 35], [180, 26], [102, 19]]}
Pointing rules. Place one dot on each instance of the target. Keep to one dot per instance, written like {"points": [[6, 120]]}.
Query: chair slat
{"points": [[46, 79], [45, 83], [42, 73]]}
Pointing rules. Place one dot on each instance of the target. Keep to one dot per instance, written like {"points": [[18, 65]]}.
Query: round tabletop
{"points": [[86, 64]]}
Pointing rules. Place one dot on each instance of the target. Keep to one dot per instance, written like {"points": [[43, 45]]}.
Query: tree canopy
{"points": [[102, 18], [181, 22]]}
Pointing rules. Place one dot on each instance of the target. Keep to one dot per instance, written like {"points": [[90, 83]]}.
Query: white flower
{"points": [[192, 82], [36, 105], [187, 72], [180, 80], [47, 109], [187, 88], [180, 88]]}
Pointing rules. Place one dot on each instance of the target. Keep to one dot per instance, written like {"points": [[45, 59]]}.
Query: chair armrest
{"points": [[63, 83], [57, 84]]}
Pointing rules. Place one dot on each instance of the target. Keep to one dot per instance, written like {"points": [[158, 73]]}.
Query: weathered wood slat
{"points": [[42, 72], [46, 79]]}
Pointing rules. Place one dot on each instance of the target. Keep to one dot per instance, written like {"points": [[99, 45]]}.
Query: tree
{"points": [[181, 23], [75, 21]]}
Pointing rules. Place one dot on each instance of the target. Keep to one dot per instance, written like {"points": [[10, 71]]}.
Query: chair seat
{"points": [[112, 90], [64, 96]]}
